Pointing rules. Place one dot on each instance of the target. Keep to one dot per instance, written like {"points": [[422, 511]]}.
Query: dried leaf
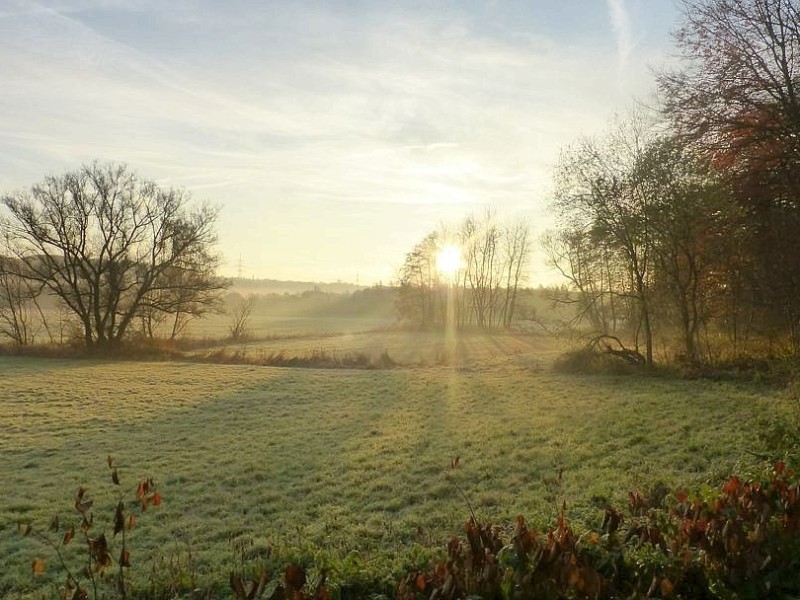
{"points": [[156, 499], [68, 535], [295, 577], [119, 518], [666, 587], [98, 550], [421, 582], [732, 486], [37, 566], [142, 490], [131, 521], [237, 587], [115, 476], [82, 505], [124, 558]]}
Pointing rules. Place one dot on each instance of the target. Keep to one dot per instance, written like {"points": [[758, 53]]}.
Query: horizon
{"points": [[359, 127]]}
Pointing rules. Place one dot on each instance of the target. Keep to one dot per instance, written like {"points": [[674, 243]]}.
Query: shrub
{"points": [[739, 542], [88, 553]]}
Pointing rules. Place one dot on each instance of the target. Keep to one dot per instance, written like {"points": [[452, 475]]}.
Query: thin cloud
{"points": [[621, 24], [408, 125]]}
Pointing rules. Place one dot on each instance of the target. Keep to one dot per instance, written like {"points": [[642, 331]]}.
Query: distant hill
{"points": [[276, 286]]}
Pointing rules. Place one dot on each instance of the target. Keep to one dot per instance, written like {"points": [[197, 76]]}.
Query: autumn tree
{"points": [[736, 97], [107, 244], [741, 66]]}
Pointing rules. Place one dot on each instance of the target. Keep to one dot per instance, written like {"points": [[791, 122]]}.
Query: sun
{"points": [[448, 260]]}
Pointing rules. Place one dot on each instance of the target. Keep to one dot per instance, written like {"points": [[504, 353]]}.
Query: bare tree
{"points": [[239, 321], [516, 253], [595, 277], [419, 282], [599, 191], [181, 295], [103, 241], [18, 321], [690, 217], [481, 240]]}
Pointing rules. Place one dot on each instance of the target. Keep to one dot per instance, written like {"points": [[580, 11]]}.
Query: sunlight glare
{"points": [[448, 260]]}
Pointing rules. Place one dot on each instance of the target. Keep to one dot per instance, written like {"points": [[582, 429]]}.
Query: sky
{"points": [[333, 136]]}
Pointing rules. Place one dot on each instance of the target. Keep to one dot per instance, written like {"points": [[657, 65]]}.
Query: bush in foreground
{"points": [[740, 541]]}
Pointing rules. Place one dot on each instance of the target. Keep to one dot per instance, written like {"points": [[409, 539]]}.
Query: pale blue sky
{"points": [[333, 135]]}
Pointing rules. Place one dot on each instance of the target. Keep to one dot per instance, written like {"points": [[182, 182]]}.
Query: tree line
{"points": [[119, 254], [683, 224], [482, 291]]}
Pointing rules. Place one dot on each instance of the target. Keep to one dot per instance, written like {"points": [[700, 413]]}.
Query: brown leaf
{"points": [[131, 521], [115, 476], [142, 490], [98, 549], [124, 558], [421, 582], [322, 593], [68, 535], [156, 499], [666, 587], [82, 505], [37, 566], [119, 518], [295, 577], [237, 587]]}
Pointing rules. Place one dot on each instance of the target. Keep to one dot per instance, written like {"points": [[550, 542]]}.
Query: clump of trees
{"points": [[120, 253], [483, 292], [685, 226]]}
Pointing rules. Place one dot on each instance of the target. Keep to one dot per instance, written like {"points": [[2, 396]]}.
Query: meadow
{"points": [[350, 469]]}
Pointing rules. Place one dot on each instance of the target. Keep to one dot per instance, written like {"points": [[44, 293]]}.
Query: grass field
{"points": [[350, 466]]}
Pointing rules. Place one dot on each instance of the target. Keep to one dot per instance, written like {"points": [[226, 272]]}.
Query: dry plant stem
{"points": [[464, 497]]}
